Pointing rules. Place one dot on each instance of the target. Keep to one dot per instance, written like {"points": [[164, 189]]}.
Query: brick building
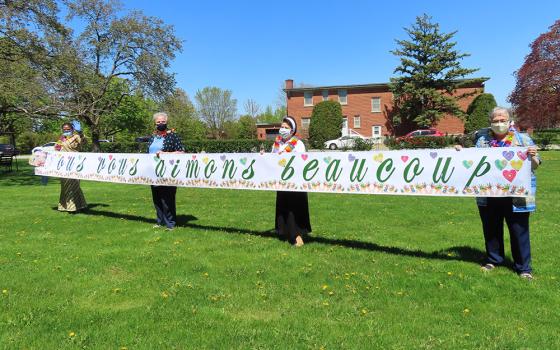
{"points": [[366, 107]]}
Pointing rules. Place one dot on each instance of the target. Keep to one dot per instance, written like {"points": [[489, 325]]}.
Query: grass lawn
{"points": [[380, 272]]}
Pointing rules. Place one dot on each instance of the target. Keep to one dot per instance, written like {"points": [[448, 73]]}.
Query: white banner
{"points": [[491, 172]]}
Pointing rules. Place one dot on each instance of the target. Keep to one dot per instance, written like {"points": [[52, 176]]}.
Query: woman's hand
{"points": [[532, 151], [158, 153]]}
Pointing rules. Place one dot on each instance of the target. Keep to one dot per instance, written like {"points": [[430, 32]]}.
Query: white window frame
{"points": [[357, 125], [344, 122], [378, 109], [305, 94], [305, 121], [325, 94], [345, 102], [376, 127]]}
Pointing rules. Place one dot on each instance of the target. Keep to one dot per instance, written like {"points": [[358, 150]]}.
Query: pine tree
{"points": [[430, 73], [478, 111]]}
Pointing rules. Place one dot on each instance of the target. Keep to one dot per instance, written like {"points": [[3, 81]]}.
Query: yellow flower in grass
{"points": [[5, 291], [164, 295], [324, 287], [466, 311], [71, 334]]}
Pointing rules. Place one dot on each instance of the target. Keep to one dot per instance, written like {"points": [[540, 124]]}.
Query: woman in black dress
{"points": [[292, 208]]}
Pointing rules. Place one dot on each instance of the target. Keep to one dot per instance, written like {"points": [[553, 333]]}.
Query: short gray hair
{"points": [[498, 110], [160, 114]]}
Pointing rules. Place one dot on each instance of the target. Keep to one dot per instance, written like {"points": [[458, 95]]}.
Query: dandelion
{"points": [[331, 293], [466, 311], [5, 291], [164, 295], [364, 312], [324, 287], [71, 334], [205, 274], [325, 303], [450, 273]]}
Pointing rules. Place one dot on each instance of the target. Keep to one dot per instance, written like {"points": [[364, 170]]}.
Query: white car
{"points": [[343, 142], [47, 147]]}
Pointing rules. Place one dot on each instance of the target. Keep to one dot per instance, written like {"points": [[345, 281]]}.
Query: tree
{"points": [[326, 123], [430, 73], [536, 97], [182, 116], [133, 46], [272, 116], [216, 107], [247, 127], [478, 112], [252, 108]]}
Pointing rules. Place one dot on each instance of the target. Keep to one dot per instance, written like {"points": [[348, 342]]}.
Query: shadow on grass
{"points": [[23, 177], [457, 253]]}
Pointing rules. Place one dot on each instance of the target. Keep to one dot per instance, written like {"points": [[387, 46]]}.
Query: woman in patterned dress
{"points": [[292, 208], [72, 198]]}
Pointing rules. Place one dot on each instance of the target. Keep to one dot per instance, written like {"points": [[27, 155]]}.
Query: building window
{"points": [[376, 104], [308, 98], [357, 122], [325, 95], [305, 123], [376, 131], [343, 97], [344, 123]]}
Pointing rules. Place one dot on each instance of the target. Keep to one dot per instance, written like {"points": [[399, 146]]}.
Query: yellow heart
{"points": [[378, 157], [516, 164], [205, 160], [282, 162]]}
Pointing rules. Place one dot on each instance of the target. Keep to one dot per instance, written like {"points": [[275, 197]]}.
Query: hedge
{"points": [[420, 142], [191, 146]]}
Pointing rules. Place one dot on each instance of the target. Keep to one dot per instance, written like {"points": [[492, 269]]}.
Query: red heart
{"points": [[404, 158], [304, 156], [509, 174], [522, 155], [110, 156], [194, 157]]}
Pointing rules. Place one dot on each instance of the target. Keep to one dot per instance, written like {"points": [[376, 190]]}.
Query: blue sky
{"points": [[251, 47]]}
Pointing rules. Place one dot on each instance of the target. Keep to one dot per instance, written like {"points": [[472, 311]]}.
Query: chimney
{"points": [[289, 84]]}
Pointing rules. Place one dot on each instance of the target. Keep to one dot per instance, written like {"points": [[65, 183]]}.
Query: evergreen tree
{"points": [[429, 74], [478, 111], [326, 123]]}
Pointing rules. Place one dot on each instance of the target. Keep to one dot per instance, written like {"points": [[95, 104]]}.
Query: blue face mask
{"points": [[67, 133]]}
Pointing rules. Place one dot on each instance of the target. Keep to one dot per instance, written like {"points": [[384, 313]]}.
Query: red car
{"points": [[426, 132]]}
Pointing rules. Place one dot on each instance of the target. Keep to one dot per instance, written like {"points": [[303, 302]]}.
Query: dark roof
{"points": [[374, 85]]}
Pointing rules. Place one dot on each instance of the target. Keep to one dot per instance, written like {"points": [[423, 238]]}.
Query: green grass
{"points": [[380, 272]]}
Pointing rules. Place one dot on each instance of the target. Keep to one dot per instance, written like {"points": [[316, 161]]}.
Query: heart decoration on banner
{"points": [[205, 160], [404, 158], [304, 157], [516, 164], [378, 157], [351, 158], [468, 163], [172, 161], [194, 157], [327, 160], [223, 157], [522, 155], [509, 174], [99, 158], [433, 155], [508, 154], [243, 161], [282, 162], [500, 164], [110, 156]]}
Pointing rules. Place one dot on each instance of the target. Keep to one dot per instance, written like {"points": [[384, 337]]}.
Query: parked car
{"points": [[47, 147], [142, 139], [424, 132], [343, 142]]}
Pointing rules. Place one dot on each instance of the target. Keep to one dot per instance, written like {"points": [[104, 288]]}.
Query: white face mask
{"points": [[285, 132], [500, 128]]}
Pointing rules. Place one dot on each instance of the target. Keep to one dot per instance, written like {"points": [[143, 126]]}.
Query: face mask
{"points": [[67, 133], [161, 127], [285, 132], [500, 128]]}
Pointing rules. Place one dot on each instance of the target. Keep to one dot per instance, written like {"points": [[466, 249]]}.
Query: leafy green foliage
{"points": [[419, 142], [478, 112], [216, 107], [429, 74], [325, 124]]}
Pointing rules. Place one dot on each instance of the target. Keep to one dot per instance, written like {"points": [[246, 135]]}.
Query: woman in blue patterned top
{"points": [[164, 140], [514, 210]]}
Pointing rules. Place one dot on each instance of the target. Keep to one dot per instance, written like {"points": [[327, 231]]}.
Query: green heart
{"points": [[467, 163], [500, 164], [243, 160], [327, 159]]}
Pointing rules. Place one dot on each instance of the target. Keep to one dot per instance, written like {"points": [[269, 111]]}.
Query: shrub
{"points": [[326, 123], [362, 145], [478, 111], [545, 138], [192, 146], [419, 142]]}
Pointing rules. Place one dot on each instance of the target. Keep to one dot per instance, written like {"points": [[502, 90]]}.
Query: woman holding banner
{"points": [[514, 210], [292, 208], [164, 140], [72, 198]]}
